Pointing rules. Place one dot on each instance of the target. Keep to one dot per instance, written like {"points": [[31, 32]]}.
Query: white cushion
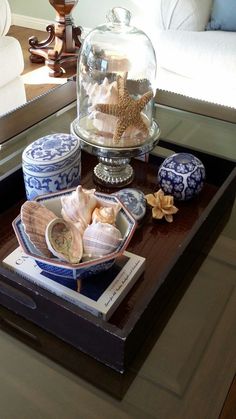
{"points": [[12, 63], [209, 55], [202, 89], [5, 17], [12, 95], [183, 14]]}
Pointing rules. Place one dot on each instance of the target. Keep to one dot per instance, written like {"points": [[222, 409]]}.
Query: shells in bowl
{"points": [[125, 224], [35, 218], [100, 239], [105, 214], [78, 207], [64, 240]]}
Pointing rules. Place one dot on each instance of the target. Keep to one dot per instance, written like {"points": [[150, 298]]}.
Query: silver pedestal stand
{"points": [[113, 169]]}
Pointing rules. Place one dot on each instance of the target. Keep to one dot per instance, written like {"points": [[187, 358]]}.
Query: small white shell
{"points": [[78, 206], [35, 218], [64, 240], [106, 214], [100, 239]]}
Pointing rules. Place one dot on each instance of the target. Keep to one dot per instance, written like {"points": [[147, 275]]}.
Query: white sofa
{"points": [[12, 91], [190, 60]]}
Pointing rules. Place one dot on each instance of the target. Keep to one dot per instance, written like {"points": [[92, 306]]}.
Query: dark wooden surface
{"points": [[229, 408], [10, 243], [169, 248]]}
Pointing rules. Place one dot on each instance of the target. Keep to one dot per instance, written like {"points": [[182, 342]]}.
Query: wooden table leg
{"points": [[63, 40]]}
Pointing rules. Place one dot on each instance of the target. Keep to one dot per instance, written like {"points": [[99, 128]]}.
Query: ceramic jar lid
{"points": [[134, 200], [51, 153]]}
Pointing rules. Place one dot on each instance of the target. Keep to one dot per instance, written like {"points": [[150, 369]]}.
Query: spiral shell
{"points": [[100, 239], [35, 218], [64, 240], [106, 214]]}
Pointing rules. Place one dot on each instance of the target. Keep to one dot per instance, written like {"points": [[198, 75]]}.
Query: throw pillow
{"points": [[223, 15]]}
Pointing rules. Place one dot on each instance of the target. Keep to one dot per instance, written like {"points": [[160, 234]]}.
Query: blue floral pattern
{"points": [[51, 147], [181, 175], [134, 200], [50, 164]]}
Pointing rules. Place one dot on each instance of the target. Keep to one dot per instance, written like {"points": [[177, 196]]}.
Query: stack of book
{"points": [[99, 294]]}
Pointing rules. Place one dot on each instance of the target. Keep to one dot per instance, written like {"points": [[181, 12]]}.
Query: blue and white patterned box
{"points": [[51, 163]]}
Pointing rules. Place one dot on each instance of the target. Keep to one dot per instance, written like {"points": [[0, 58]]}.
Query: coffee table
{"points": [[187, 363]]}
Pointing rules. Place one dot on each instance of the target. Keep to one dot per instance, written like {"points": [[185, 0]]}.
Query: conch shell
{"points": [[105, 92], [64, 240], [106, 214], [100, 239], [35, 218], [78, 207], [102, 93]]}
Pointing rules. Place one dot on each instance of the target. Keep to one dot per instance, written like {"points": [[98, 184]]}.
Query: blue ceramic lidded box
{"points": [[51, 163]]}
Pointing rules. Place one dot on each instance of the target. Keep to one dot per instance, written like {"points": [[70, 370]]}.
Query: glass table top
{"points": [[184, 370], [196, 131]]}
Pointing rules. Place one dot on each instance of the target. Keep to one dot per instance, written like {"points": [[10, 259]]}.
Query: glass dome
{"points": [[115, 84]]}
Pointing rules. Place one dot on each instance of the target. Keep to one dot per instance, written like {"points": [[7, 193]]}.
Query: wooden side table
{"points": [[63, 40]]}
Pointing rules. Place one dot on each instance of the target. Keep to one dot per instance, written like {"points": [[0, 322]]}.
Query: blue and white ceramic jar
{"points": [[51, 163], [181, 175], [134, 200]]}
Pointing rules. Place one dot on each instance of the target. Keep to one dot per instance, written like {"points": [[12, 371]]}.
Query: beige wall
{"points": [[88, 13]]}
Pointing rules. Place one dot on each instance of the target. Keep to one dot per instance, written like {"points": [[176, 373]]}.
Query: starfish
{"points": [[127, 110]]}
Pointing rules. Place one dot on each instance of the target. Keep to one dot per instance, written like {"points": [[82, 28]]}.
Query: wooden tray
{"points": [[170, 250]]}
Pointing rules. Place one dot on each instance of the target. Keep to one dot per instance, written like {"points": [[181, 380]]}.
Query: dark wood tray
{"points": [[170, 250]]}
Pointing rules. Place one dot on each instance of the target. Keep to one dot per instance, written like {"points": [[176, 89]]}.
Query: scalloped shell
{"points": [[100, 239], [35, 218], [64, 240], [78, 207]]}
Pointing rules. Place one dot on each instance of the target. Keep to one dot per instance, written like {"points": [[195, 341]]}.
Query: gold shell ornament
{"points": [[35, 218], [64, 240], [163, 205]]}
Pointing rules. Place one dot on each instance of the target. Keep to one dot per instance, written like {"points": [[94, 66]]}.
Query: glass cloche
{"points": [[115, 94]]}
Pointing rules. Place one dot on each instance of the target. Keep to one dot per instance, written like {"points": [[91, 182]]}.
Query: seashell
{"points": [[78, 207], [102, 93], [105, 92], [64, 240], [103, 122], [106, 214], [100, 239], [35, 218]]}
